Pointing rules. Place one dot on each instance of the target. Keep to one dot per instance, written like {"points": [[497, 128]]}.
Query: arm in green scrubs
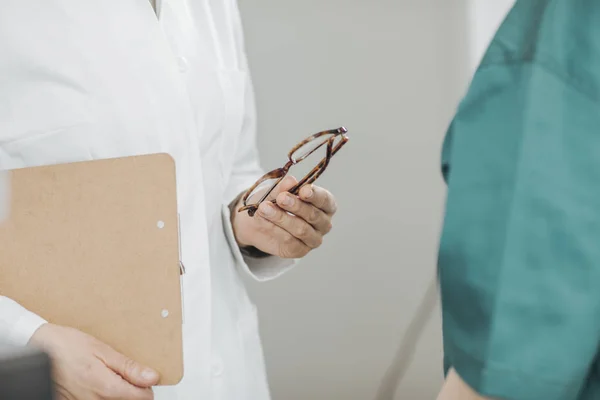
{"points": [[519, 261]]}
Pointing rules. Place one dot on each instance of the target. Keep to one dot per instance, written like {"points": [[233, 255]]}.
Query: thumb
{"points": [[286, 184], [130, 370]]}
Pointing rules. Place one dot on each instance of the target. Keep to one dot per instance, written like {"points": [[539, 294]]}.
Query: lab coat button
{"points": [[182, 63], [217, 368]]}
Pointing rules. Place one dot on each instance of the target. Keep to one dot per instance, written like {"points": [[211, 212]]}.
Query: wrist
{"points": [[245, 245], [251, 251], [243, 241], [40, 336]]}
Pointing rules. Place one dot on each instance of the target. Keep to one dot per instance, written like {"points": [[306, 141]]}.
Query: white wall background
{"points": [[484, 18], [392, 71]]}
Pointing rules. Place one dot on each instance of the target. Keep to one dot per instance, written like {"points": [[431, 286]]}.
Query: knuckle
{"points": [[148, 395], [279, 217], [328, 227], [329, 201], [324, 197], [273, 242], [314, 215], [287, 247], [334, 207], [289, 241], [129, 365], [302, 230], [296, 207], [318, 241], [284, 251], [302, 251]]}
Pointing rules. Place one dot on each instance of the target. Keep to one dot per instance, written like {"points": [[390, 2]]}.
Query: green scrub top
{"points": [[519, 261]]}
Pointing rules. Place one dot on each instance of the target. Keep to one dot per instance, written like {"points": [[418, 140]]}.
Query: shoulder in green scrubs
{"points": [[519, 261]]}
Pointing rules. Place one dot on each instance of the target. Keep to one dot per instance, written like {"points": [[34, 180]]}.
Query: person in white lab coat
{"points": [[83, 80]]}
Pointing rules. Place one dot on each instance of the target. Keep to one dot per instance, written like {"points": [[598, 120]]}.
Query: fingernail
{"points": [[149, 374], [267, 210], [308, 192], [287, 201]]}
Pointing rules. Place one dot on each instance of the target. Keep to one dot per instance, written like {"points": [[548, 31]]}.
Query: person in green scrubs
{"points": [[519, 261]]}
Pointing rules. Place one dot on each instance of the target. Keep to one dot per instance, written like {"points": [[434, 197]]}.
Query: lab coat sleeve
{"points": [[519, 261], [246, 170], [17, 325]]}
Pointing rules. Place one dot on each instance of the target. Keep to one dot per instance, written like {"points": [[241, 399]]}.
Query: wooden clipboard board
{"points": [[95, 246]]}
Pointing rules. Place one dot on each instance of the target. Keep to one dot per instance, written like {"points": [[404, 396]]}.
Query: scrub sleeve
{"points": [[519, 261]]}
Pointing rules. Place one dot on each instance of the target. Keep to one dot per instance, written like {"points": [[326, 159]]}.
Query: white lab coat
{"points": [[83, 80]]}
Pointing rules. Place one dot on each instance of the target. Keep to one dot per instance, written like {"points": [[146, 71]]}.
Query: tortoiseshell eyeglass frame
{"points": [[280, 173]]}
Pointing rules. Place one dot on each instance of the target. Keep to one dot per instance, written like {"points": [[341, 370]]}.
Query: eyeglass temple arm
{"points": [[316, 171], [320, 168]]}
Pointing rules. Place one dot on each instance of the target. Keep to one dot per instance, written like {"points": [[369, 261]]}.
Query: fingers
{"points": [[136, 393], [143, 394], [320, 198], [294, 225], [277, 241], [116, 388], [285, 244], [129, 370], [316, 217], [286, 184]]}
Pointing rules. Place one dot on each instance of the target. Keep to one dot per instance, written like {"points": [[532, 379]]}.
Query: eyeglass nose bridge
{"points": [[289, 164]]}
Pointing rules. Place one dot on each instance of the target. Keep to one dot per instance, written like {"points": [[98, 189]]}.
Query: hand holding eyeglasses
{"points": [[286, 217], [293, 226]]}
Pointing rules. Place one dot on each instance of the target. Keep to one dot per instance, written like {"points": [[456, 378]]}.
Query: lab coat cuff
{"points": [[24, 328], [259, 268]]}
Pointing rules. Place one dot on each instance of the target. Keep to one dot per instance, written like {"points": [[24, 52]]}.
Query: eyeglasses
{"points": [[329, 142]]}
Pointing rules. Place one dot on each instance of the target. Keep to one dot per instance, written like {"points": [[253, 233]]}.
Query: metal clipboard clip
{"points": [[181, 268]]}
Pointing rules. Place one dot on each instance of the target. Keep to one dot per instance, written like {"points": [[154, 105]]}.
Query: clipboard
{"points": [[94, 245]]}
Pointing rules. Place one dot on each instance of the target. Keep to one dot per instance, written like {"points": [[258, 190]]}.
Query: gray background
{"points": [[392, 72]]}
